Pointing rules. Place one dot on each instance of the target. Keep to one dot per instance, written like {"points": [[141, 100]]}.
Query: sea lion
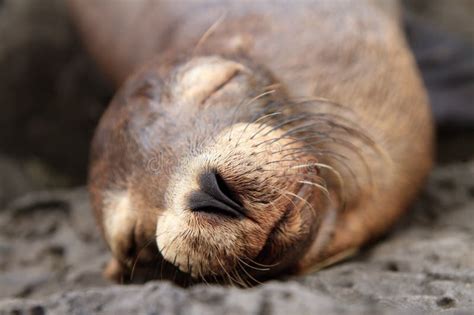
{"points": [[251, 139]]}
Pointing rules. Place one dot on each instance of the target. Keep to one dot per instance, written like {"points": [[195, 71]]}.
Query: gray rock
{"points": [[52, 256]]}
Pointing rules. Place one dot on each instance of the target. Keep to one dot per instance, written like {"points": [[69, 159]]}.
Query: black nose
{"points": [[215, 197]]}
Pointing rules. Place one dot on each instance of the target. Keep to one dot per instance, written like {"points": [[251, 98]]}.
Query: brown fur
{"points": [[329, 88]]}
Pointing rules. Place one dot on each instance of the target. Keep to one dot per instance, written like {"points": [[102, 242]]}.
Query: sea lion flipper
{"points": [[114, 271], [331, 260]]}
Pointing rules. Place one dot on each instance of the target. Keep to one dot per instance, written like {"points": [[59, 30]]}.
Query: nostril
{"points": [[225, 190], [215, 196]]}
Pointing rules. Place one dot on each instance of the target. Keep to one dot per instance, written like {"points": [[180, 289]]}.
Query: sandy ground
{"points": [[51, 254], [51, 258]]}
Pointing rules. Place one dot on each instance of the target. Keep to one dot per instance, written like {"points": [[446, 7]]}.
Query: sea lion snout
{"points": [[242, 200], [215, 197]]}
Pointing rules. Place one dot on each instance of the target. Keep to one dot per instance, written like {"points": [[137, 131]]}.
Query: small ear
{"points": [[198, 79]]}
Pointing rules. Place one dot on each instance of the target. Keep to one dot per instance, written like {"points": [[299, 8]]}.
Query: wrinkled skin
{"points": [[308, 119]]}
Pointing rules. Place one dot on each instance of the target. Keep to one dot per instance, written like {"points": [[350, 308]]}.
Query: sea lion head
{"points": [[209, 166]]}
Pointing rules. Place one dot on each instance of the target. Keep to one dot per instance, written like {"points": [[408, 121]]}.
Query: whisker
{"points": [[325, 101], [325, 166], [254, 122], [237, 275], [302, 199], [285, 122], [246, 272], [201, 275], [225, 271], [164, 251], [176, 267], [258, 269], [138, 256], [260, 264], [155, 272], [321, 187], [209, 32], [246, 104], [337, 157], [341, 142]]}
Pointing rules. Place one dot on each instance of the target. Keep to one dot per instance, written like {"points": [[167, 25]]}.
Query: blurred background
{"points": [[51, 95]]}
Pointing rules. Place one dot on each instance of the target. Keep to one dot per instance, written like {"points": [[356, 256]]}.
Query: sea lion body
{"points": [[331, 82]]}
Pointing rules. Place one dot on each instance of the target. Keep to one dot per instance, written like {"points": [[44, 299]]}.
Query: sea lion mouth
{"points": [[280, 249]]}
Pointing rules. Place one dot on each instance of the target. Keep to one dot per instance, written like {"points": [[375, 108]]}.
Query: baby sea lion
{"points": [[251, 139]]}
